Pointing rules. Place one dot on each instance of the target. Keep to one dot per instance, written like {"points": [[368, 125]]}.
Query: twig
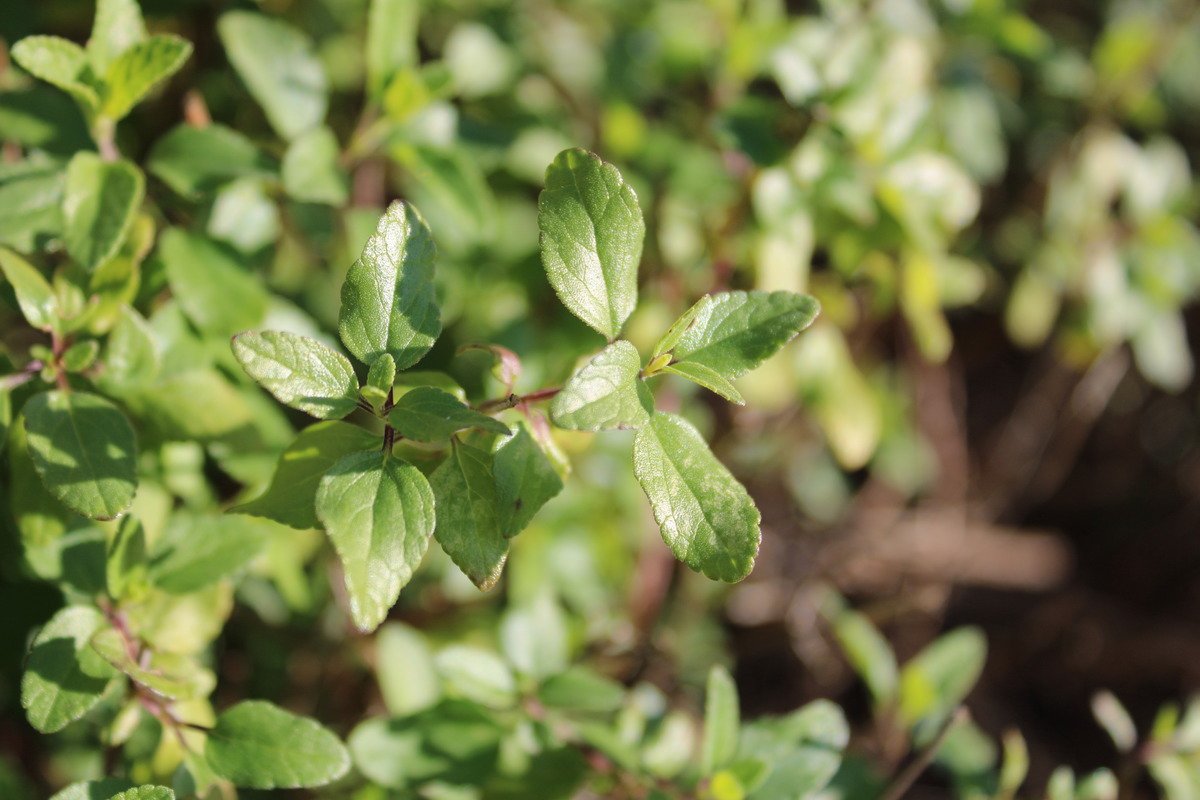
{"points": [[908, 776]]}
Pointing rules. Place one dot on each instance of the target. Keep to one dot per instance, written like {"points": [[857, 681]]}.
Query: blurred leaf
{"points": [[391, 40], [125, 566], [477, 675], [534, 637], [100, 200], [138, 69], [803, 750], [404, 665], [258, 745], [581, 690], [1115, 720], [31, 206], [64, 678], [34, 293], [939, 677], [118, 26], [311, 172], [61, 63], [215, 292], [195, 161], [721, 722], [201, 550]]}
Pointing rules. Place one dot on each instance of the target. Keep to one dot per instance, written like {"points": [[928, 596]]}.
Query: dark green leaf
{"points": [[260, 746], [426, 414], [379, 513], [84, 449], [468, 527], [525, 481], [592, 233], [707, 518]]}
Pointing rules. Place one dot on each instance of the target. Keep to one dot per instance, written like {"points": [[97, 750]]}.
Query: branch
{"points": [[908, 776]]}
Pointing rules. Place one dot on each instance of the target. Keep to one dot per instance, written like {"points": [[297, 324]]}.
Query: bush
{"points": [[215, 594]]}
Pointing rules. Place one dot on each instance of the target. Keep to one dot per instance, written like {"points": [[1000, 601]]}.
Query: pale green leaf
{"points": [[391, 40], [938, 678], [311, 172], [525, 481], [468, 528], [100, 200], [84, 449], [591, 234], [379, 513], [581, 690], [301, 372], [158, 672], [722, 721], [34, 294], [258, 745], [477, 675], [194, 161], [290, 497], [668, 748], [199, 550], [214, 291], [145, 793], [104, 789], [404, 665], [118, 25], [279, 67], [388, 301], [130, 358], [64, 678], [245, 215], [534, 637], [125, 562], [606, 393], [453, 190], [731, 333], [31, 206], [708, 378], [427, 414], [867, 651], [707, 518], [132, 74], [61, 63], [803, 749]]}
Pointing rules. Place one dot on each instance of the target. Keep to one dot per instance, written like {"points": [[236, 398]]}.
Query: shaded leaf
{"points": [[100, 200], [468, 528], [34, 293], [427, 414], [64, 678], [525, 481]]}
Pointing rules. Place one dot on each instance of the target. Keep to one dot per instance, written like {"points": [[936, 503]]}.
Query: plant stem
{"points": [[513, 400], [908, 776]]}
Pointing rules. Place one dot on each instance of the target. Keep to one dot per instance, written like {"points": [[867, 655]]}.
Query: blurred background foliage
{"points": [[993, 423]]}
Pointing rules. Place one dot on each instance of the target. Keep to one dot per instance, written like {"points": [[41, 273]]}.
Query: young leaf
{"points": [[525, 481], [118, 25], [731, 333], [34, 294], [279, 67], [467, 525], [388, 302], [708, 378], [379, 514], [125, 562], [606, 393], [84, 449], [381, 377], [100, 201], [591, 238], [867, 651], [215, 292], [64, 677], [938, 678], [201, 550], [195, 161], [258, 745], [292, 493], [310, 169], [722, 722], [707, 518], [301, 372], [80, 355], [426, 414], [61, 63], [131, 75]]}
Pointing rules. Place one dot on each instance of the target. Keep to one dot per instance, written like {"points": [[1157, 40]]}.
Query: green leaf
{"points": [[34, 293], [708, 378], [477, 675], [391, 41], [381, 377], [145, 793], [104, 789], [468, 527], [533, 636], [61, 63], [279, 67], [722, 721], [301, 372], [667, 750], [258, 745], [525, 481], [388, 302], [155, 671], [867, 651], [938, 678], [427, 414], [731, 333], [379, 513], [583, 691], [100, 200], [130, 358], [244, 215], [84, 449], [803, 749], [196, 161], [310, 169], [80, 355], [125, 563], [131, 75], [200, 550], [117, 27], [408, 680], [606, 393], [290, 497], [592, 233], [216, 293], [707, 518], [31, 206], [64, 678], [452, 188]]}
